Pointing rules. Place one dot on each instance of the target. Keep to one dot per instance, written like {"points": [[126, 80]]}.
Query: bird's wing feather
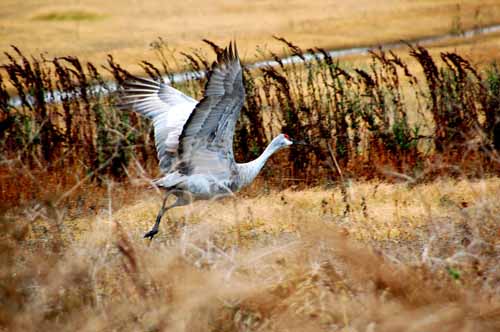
{"points": [[206, 142], [167, 107]]}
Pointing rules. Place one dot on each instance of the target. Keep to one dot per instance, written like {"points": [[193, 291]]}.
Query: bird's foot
{"points": [[151, 233]]}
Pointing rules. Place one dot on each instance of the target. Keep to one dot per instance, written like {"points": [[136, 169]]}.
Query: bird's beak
{"points": [[299, 142]]}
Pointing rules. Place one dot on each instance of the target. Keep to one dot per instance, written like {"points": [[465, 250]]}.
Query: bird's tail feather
{"points": [[170, 180]]}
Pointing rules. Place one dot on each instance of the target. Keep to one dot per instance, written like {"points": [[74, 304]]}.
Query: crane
{"points": [[194, 140]]}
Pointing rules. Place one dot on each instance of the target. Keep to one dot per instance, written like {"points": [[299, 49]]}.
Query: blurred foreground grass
{"points": [[365, 257]]}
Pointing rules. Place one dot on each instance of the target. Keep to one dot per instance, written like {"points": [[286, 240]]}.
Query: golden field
{"points": [[399, 258], [92, 29], [404, 254]]}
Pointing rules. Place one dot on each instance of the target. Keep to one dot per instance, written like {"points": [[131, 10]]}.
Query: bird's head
{"points": [[283, 140]]}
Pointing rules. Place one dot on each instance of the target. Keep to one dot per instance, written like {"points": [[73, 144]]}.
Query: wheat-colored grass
{"points": [[374, 257], [379, 211], [404, 258], [92, 29]]}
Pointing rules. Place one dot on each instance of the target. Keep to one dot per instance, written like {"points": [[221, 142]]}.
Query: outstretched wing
{"points": [[206, 142], [168, 108]]}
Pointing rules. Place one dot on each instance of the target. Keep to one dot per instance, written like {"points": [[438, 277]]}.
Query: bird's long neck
{"points": [[248, 171]]}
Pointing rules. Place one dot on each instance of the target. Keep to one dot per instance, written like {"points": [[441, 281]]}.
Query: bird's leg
{"points": [[156, 226], [178, 202]]}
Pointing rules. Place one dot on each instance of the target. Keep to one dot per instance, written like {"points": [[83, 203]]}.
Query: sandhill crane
{"points": [[194, 140]]}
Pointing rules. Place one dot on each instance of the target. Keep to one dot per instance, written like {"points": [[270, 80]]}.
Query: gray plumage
{"points": [[194, 140]]}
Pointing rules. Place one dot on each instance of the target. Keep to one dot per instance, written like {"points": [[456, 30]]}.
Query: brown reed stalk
{"points": [[362, 113]]}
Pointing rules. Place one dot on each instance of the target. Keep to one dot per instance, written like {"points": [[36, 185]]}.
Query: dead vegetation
{"points": [[402, 259], [376, 120], [366, 256], [92, 29]]}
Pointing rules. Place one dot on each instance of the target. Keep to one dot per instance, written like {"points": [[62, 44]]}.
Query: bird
{"points": [[194, 139]]}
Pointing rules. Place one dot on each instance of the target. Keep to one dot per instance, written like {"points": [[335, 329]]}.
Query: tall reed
{"points": [[369, 119]]}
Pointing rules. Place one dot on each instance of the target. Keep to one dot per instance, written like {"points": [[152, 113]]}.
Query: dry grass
{"points": [[91, 29], [480, 50], [369, 256], [402, 259], [375, 116]]}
